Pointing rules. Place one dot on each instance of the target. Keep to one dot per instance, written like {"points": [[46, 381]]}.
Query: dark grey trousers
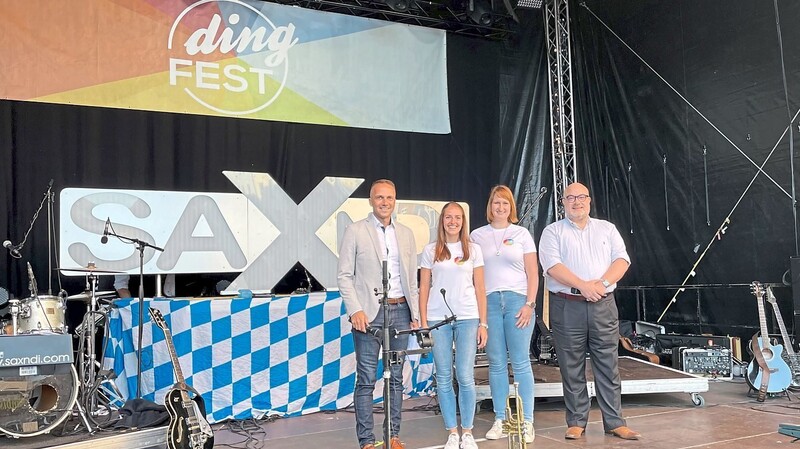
{"points": [[581, 326]]}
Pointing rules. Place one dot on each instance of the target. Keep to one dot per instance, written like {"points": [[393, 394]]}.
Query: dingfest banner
{"points": [[232, 58]]}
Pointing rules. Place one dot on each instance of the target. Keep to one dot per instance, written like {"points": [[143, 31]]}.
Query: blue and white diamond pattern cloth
{"points": [[248, 357]]}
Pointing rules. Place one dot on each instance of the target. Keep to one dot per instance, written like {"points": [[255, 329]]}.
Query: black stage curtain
{"points": [[491, 88], [724, 57]]}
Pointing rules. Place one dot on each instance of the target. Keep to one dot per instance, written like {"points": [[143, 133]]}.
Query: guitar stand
{"points": [[753, 393]]}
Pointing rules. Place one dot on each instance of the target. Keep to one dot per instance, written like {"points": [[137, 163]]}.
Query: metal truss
{"points": [[447, 15], [562, 123]]}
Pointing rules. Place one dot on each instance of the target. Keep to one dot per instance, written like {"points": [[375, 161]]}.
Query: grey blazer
{"points": [[360, 264]]}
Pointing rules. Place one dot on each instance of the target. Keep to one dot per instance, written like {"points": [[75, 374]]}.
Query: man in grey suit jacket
{"points": [[364, 247]]}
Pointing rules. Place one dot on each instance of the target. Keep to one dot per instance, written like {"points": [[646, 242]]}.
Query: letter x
{"points": [[297, 223]]}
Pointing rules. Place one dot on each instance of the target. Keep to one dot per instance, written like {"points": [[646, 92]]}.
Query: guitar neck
{"points": [[174, 356], [176, 364], [781, 325], [762, 319]]}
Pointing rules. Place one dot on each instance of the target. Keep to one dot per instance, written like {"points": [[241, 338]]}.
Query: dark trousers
{"points": [[580, 326]]}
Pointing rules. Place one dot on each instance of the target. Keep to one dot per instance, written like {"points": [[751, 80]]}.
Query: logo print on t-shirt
{"points": [[508, 242], [459, 260]]}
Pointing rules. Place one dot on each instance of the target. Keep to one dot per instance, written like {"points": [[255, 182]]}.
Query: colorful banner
{"points": [[231, 58]]}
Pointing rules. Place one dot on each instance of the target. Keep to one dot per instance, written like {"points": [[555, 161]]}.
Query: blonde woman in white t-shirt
{"points": [[451, 283], [512, 279]]}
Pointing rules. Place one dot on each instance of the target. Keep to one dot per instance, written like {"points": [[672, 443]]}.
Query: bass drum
{"points": [[35, 404]]}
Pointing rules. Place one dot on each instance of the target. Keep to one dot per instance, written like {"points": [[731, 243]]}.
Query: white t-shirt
{"points": [[455, 276], [503, 250]]}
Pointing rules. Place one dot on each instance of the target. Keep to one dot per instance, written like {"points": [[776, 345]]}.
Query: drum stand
{"points": [[93, 400]]}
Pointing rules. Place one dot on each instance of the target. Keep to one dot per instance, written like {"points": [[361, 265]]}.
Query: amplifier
{"points": [[666, 342], [713, 362]]}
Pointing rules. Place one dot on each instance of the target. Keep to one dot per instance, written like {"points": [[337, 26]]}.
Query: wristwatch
{"points": [[531, 304], [484, 325], [606, 284]]}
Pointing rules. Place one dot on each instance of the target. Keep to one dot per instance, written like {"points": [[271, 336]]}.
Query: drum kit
{"points": [[39, 383], [37, 395]]}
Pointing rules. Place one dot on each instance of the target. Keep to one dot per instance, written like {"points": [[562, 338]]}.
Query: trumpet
{"points": [[514, 424]]}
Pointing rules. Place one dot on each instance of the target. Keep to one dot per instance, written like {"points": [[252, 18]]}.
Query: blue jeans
{"points": [[368, 349], [465, 334], [504, 335]]}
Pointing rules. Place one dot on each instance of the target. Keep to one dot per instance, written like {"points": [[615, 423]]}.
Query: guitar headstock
{"points": [[158, 318], [757, 289], [771, 297]]}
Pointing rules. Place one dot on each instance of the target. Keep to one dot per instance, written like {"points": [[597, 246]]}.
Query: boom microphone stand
{"points": [[396, 357], [387, 356], [140, 246]]}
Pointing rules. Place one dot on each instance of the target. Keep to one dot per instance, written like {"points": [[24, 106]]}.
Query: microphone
{"points": [[32, 281], [542, 191], [374, 332], [104, 238], [12, 249], [444, 298]]}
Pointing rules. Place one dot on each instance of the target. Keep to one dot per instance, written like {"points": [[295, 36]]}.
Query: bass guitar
{"points": [[791, 357], [779, 376], [188, 428]]}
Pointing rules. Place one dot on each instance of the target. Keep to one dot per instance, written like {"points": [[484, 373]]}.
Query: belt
{"points": [[395, 301], [573, 297], [568, 296]]}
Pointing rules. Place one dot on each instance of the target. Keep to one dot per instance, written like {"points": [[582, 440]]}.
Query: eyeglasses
{"points": [[572, 198]]}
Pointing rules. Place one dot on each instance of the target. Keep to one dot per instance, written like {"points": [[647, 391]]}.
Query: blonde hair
{"points": [[442, 253], [504, 193]]}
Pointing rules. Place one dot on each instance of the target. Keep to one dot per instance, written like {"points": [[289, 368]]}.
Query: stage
{"points": [[638, 377], [729, 419]]}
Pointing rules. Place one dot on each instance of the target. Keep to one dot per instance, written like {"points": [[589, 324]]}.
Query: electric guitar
{"points": [[188, 428], [543, 344], [626, 349], [791, 357], [779, 376]]}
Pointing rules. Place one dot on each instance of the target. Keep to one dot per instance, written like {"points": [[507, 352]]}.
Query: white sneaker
{"points": [[496, 432], [468, 441], [452, 441], [529, 432]]}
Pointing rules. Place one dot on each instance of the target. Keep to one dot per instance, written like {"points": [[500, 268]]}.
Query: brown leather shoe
{"points": [[368, 446], [396, 443], [625, 433], [574, 432]]}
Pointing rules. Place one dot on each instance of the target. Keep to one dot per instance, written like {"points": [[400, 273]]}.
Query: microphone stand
{"points": [[387, 357], [538, 198], [140, 246]]}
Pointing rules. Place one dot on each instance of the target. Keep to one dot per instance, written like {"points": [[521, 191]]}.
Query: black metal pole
{"points": [[387, 359], [140, 247]]}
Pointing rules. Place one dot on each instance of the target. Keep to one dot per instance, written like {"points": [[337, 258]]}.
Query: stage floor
{"points": [[728, 419]]}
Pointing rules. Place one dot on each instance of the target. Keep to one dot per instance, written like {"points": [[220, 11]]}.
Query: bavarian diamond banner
{"points": [[233, 58]]}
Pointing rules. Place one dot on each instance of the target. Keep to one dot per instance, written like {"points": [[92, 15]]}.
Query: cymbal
{"points": [[89, 269], [87, 296]]}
